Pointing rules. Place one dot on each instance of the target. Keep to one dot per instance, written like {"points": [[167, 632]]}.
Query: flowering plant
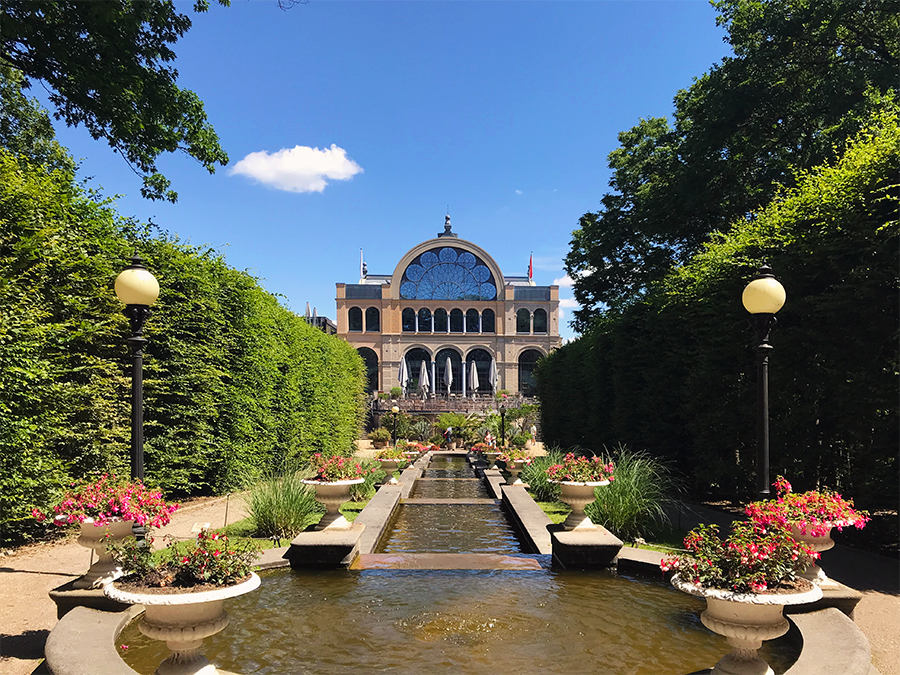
{"points": [[108, 499], [752, 560], [434, 448], [332, 468], [481, 447], [581, 470], [390, 453], [514, 454], [813, 512], [212, 559], [415, 447]]}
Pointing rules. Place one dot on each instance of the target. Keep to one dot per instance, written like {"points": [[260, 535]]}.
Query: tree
{"points": [[106, 66], [804, 77]]}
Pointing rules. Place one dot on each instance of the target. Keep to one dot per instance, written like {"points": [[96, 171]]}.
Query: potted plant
{"points": [[809, 516], [746, 581], [106, 509], [379, 437], [391, 460], [515, 460], [332, 477], [578, 477], [183, 594]]}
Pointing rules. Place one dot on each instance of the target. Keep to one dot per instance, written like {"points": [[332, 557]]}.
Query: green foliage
{"points": [[535, 474], [675, 372], [106, 66], [633, 505], [520, 440], [282, 506], [380, 435], [234, 383], [366, 490], [396, 392], [804, 78], [420, 430]]}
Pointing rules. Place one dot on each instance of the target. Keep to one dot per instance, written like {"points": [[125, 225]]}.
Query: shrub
{"points": [[632, 504], [420, 430], [282, 506], [380, 435], [373, 472], [535, 474], [520, 440], [396, 392], [436, 439]]}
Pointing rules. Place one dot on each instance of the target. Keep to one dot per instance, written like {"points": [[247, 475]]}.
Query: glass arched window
{"points": [[527, 360], [408, 320], [440, 321], [482, 360], [424, 320], [540, 321], [456, 321], [354, 320], [472, 321], [373, 320], [371, 360], [447, 273], [487, 321], [455, 381], [523, 321]]}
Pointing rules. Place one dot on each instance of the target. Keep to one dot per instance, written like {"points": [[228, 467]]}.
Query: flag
{"points": [[360, 264], [531, 266]]}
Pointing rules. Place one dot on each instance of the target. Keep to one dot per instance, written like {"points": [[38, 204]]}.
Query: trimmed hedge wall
{"points": [[234, 383], [676, 373]]}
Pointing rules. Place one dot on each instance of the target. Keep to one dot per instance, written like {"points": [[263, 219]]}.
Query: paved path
{"points": [[27, 614]]}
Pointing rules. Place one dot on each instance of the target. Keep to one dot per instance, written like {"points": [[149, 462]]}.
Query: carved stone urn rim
{"points": [[590, 483], [349, 481], [127, 597], [700, 591]]}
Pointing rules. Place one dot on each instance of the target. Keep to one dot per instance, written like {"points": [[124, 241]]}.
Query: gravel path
{"points": [[27, 614]]}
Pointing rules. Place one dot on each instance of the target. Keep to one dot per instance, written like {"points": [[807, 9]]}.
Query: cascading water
{"points": [[498, 611]]}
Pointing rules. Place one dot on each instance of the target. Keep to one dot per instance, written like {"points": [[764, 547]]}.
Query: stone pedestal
{"points": [[583, 548], [67, 597], [325, 548]]}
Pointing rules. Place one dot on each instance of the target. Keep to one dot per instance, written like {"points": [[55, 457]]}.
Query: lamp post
{"points": [[763, 297], [396, 411], [502, 426], [137, 289]]}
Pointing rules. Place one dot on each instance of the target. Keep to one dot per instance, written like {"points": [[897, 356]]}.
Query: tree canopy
{"points": [[804, 76], [107, 66]]}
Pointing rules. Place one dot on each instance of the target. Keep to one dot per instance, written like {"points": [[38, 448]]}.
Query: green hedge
{"points": [[235, 384], [676, 373]]}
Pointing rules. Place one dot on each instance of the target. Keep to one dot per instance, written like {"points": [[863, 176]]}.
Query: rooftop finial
{"points": [[446, 232]]}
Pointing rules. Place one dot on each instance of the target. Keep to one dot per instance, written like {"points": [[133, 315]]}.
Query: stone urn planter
{"points": [[95, 537], [515, 467], [332, 495], [182, 621], [389, 466], [492, 459], [745, 619], [817, 542], [578, 496]]}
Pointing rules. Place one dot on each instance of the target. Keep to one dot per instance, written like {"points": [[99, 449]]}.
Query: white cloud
{"points": [[568, 302], [564, 282], [518, 192], [298, 169]]}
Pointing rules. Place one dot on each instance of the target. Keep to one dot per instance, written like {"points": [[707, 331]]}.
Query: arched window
{"points": [[354, 320], [456, 321], [472, 321], [440, 321], [447, 273], [526, 372], [482, 360], [523, 321], [373, 320], [409, 320], [487, 321], [540, 321], [414, 360], [371, 360], [440, 362], [424, 320]]}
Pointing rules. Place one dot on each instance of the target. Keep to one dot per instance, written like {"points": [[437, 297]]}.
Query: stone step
{"points": [[443, 561]]}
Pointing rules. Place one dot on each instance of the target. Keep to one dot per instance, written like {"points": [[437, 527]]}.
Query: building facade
{"points": [[448, 319]]}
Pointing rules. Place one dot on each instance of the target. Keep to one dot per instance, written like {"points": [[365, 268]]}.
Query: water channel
{"points": [[497, 610]]}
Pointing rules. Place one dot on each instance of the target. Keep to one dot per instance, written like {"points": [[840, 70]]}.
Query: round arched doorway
{"points": [[482, 360], [455, 381], [371, 360], [527, 361]]}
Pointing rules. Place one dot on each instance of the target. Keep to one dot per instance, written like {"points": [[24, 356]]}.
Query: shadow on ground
{"points": [[27, 646]]}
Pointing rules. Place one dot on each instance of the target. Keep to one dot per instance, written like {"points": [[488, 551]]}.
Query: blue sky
{"points": [[355, 124]]}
